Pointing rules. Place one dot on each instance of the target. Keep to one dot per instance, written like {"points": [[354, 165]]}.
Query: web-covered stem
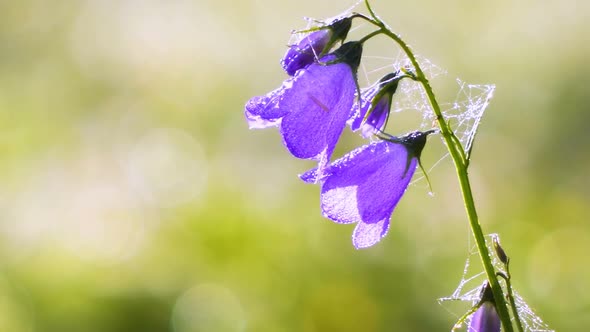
{"points": [[461, 163], [507, 278]]}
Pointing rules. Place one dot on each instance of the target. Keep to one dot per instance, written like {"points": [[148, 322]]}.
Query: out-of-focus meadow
{"points": [[133, 197]]}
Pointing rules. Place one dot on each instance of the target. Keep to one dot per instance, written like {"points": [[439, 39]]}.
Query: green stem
{"points": [[369, 36], [458, 155], [511, 298]]}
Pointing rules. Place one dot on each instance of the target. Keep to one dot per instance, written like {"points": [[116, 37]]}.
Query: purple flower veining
{"points": [[375, 104], [314, 45], [366, 184], [311, 108]]}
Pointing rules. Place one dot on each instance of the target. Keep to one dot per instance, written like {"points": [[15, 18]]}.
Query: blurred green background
{"points": [[134, 198]]}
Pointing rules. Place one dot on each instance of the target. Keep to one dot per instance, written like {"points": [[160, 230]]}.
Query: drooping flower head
{"points": [[372, 113], [486, 318], [365, 185], [315, 44], [312, 107]]}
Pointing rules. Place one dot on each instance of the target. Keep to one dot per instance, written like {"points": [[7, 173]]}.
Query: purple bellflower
{"points": [[312, 107], [315, 45], [365, 185], [486, 318], [371, 114]]}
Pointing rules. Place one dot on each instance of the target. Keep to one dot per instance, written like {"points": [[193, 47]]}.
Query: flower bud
{"points": [[315, 44], [499, 250], [371, 114], [485, 319]]}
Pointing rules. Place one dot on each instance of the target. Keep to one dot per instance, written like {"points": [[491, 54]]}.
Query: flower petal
{"points": [[306, 51], [263, 111], [315, 44], [360, 109], [366, 235], [367, 184], [311, 176], [318, 105], [485, 319], [377, 102], [378, 117]]}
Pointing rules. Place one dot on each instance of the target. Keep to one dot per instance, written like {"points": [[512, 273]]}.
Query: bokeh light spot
{"points": [[208, 307], [167, 167]]}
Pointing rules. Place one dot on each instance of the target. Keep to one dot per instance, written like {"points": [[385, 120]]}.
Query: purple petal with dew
{"points": [[366, 235], [317, 106], [255, 121], [376, 120], [485, 319], [366, 184], [264, 111], [305, 52], [311, 176], [360, 108], [378, 117]]}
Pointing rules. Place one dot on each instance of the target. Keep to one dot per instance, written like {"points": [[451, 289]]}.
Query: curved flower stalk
{"points": [[366, 185], [311, 108], [373, 112], [315, 44], [461, 161]]}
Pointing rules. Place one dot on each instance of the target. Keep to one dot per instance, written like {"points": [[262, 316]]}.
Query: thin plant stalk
{"points": [[510, 296], [461, 163]]}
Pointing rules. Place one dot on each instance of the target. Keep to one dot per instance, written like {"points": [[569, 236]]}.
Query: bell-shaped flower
{"points": [[485, 319], [371, 114], [315, 44], [365, 185], [311, 108]]}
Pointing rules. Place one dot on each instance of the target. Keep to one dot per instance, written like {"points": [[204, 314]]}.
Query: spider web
{"points": [[464, 113], [469, 288]]}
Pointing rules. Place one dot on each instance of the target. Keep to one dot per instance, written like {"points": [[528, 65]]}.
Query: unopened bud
{"points": [[499, 251], [485, 319]]}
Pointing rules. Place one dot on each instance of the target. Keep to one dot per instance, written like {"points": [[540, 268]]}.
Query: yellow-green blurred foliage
{"points": [[134, 198]]}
